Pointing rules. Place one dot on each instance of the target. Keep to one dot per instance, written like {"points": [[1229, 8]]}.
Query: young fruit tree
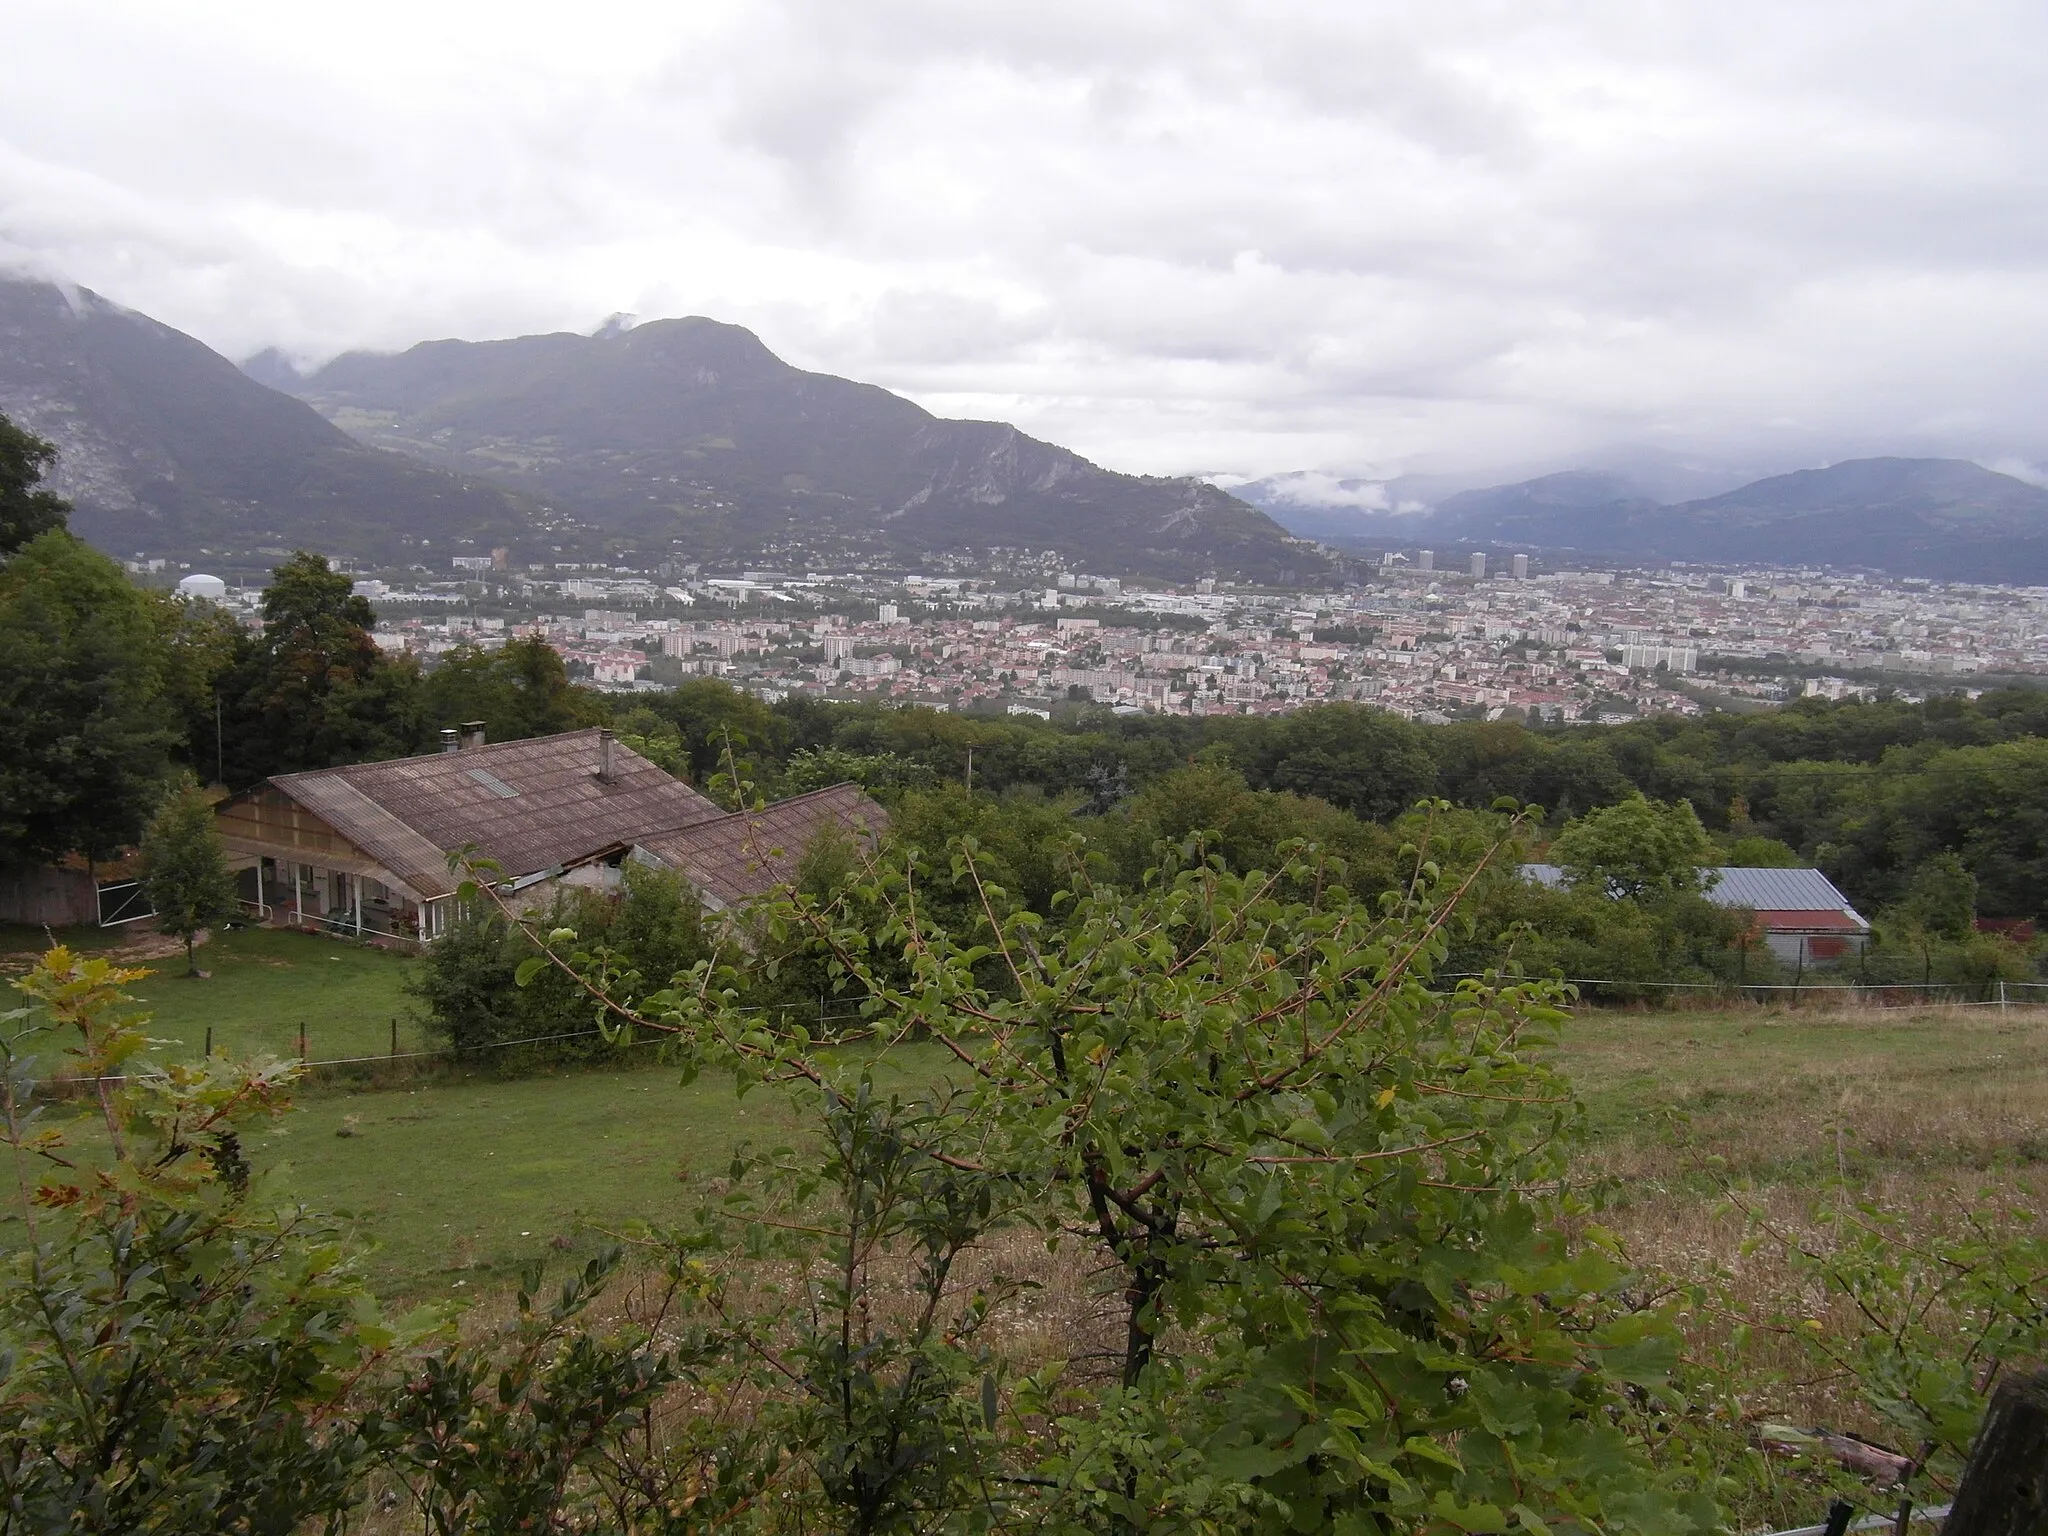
{"points": [[1328, 1201], [185, 869]]}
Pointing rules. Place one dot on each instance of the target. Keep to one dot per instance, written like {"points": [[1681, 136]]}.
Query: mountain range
{"points": [[678, 438], [166, 447], [691, 434], [690, 439], [1946, 519]]}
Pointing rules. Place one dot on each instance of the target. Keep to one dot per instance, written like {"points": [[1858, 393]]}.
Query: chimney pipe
{"points": [[449, 740], [604, 755], [472, 733]]}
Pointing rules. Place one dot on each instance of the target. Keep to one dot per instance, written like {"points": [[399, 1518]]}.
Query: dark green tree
{"points": [[519, 690], [711, 718], [1942, 900], [1363, 760], [185, 869], [314, 690], [200, 643], [24, 510], [89, 736], [1755, 852]]}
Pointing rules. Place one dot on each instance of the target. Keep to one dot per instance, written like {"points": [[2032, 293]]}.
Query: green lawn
{"points": [[458, 1184], [263, 984], [465, 1180]]}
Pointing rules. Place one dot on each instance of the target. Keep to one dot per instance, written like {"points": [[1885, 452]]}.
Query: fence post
{"points": [[2004, 1490], [209, 1042], [302, 1041], [2001, 995], [394, 1037]]}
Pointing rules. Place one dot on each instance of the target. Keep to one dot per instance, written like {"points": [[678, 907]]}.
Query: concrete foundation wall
{"points": [[59, 898]]}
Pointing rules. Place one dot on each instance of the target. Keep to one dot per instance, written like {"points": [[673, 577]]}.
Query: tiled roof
{"points": [[741, 856], [528, 805]]}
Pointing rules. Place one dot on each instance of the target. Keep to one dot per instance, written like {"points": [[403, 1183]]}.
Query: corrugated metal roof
{"points": [[557, 809], [376, 831], [1777, 891], [741, 856]]}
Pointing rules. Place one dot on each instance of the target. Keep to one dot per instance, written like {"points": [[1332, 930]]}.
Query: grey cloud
{"points": [[1174, 233]]}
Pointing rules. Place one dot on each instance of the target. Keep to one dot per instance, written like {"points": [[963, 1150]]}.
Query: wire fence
{"points": [[447, 1055], [1874, 995]]}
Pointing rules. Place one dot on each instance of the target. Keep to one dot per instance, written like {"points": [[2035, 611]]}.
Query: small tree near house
{"points": [[185, 868]]}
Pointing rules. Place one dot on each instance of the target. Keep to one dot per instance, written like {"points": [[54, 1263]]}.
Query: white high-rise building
{"points": [[1521, 567], [1425, 560], [1479, 567]]}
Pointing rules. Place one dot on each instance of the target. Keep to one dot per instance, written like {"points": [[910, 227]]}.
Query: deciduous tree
{"points": [[26, 511], [1636, 849], [185, 869], [313, 690], [89, 734]]}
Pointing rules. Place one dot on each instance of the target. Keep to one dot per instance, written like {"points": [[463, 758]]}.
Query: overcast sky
{"points": [[1349, 236]]}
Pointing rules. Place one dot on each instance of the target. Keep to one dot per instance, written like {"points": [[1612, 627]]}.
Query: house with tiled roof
{"points": [[365, 848]]}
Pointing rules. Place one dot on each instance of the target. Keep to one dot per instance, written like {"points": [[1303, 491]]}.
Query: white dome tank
{"points": [[199, 584]]}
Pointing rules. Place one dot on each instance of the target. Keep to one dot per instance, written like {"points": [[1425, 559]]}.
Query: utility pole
{"points": [[220, 772], [970, 768]]}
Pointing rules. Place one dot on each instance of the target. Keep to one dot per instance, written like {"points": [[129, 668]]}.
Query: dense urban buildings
{"points": [[1544, 644]]}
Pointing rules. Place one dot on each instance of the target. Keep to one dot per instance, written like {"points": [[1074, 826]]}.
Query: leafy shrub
{"points": [[468, 983]]}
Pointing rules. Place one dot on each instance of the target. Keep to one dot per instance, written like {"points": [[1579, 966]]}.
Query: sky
{"points": [[1342, 236]]}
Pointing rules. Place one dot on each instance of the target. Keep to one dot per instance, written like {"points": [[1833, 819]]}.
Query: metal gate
{"points": [[124, 901]]}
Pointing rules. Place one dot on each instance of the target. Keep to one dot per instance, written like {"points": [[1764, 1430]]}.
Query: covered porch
{"points": [[294, 869], [358, 903]]}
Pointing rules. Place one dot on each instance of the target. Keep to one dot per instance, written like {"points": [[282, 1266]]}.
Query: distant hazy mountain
{"points": [[1943, 518], [167, 447], [692, 435]]}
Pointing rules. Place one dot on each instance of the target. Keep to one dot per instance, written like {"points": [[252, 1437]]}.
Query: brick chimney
{"points": [[604, 755], [472, 734]]}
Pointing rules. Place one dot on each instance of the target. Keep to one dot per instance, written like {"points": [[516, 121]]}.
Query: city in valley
{"points": [[1428, 637]]}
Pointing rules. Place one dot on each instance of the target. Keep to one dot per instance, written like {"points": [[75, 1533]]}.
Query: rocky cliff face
{"points": [[168, 448]]}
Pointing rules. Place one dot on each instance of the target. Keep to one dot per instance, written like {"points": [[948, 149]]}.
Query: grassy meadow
{"points": [[452, 1181]]}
